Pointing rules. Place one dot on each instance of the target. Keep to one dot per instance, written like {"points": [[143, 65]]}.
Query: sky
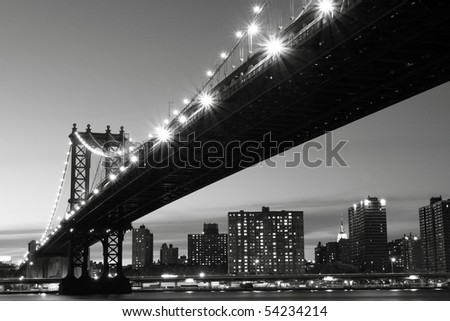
{"points": [[120, 62]]}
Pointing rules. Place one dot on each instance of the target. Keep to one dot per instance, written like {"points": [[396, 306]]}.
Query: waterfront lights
{"points": [[274, 47], [326, 6], [163, 134], [253, 29], [206, 100]]}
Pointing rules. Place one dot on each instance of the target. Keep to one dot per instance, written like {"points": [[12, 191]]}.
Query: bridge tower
{"points": [[78, 281]]}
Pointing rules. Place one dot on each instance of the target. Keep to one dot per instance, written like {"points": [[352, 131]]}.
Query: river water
{"points": [[288, 295]]}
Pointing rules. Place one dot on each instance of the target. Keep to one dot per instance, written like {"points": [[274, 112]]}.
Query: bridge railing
{"points": [[296, 39]]}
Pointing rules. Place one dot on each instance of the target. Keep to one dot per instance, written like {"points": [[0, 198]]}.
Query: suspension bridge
{"points": [[331, 63]]}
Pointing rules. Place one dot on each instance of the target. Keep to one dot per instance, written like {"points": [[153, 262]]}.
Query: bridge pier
{"points": [[79, 282], [112, 279]]}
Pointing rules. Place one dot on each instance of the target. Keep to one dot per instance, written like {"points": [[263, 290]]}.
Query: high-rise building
{"points": [[141, 248], [320, 254], [411, 249], [333, 252], [342, 235], [344, 244], [368, 235], [169, 254], [395, 255], [209, 248], [435, 235], [266, 242], [406, 254]]}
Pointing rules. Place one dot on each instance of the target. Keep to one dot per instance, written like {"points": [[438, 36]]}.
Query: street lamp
{"points": [[393, 260]]}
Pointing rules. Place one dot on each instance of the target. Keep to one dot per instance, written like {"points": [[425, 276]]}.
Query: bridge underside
{"points": [[377, 54]]}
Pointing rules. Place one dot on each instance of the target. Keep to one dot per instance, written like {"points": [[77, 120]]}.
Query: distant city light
{"points": [[168, 276]]}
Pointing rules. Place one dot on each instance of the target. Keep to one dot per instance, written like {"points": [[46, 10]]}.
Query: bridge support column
{"points": [[78, 280], [112, 279]]}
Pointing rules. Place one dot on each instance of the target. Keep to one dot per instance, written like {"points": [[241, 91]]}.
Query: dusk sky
{"points": [[120, 62]]}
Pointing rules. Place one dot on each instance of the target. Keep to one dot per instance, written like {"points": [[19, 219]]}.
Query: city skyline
{"points": [[111, 68]]}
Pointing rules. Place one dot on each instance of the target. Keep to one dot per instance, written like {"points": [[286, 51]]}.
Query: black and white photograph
{"points": [[242, 159]]}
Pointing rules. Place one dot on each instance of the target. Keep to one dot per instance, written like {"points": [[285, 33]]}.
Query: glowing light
{"points": [[112, 177], [326, 6], [239, 34], [168, 276], [96, 191], [366, 202], [383, 202], [182, 119], [257, 9], [253, 29], [166, 121], [274, 47], [209, 73], [185, 101], [202, 275], [175, 112], [150, 136], [206, 100], [223, 55], [163, 134], [122, 168]]}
